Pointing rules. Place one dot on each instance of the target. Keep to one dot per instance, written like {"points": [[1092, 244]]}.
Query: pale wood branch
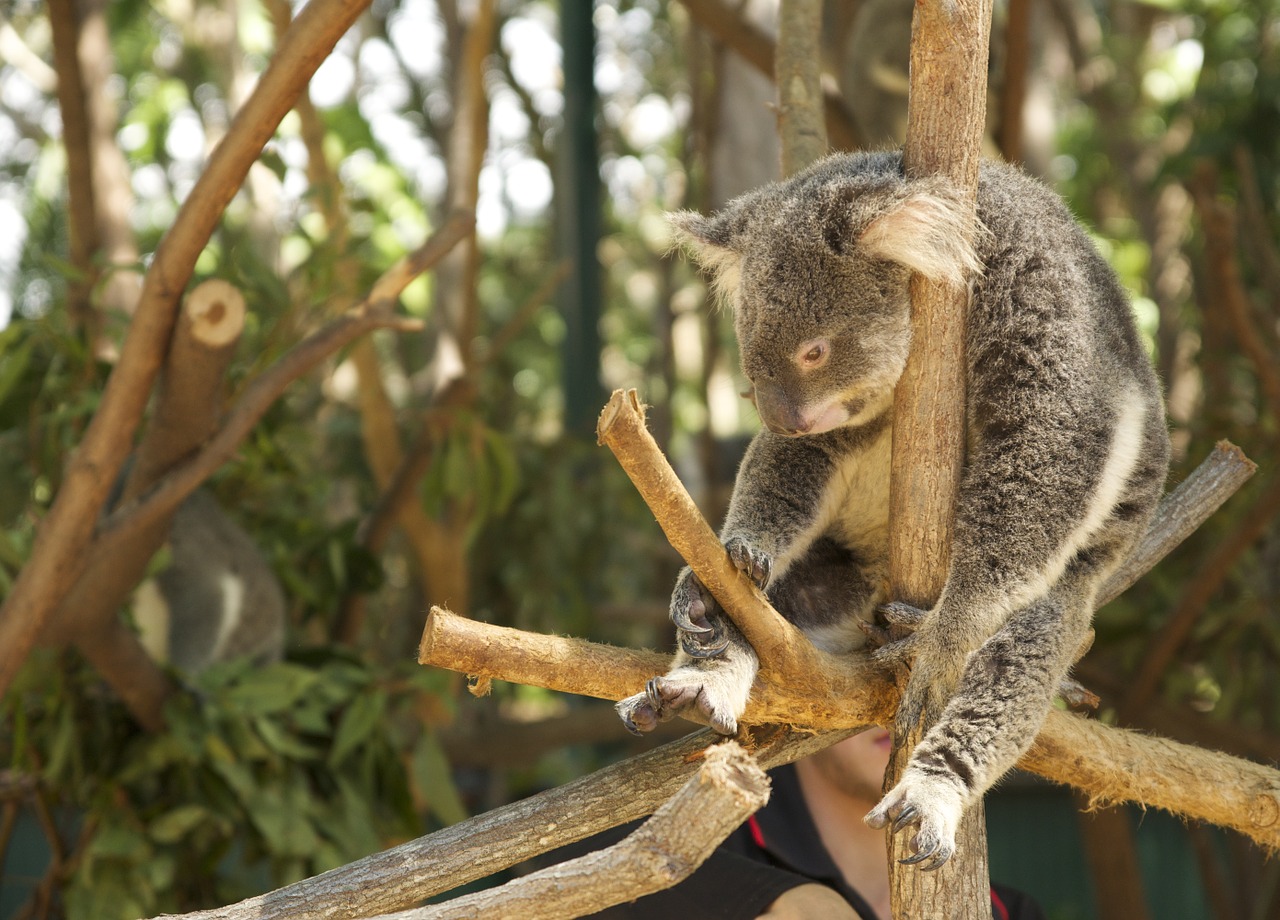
{"points": [[476, 848], [189, 402], [866, 693], [257, 397], [58, 555], [664, 851], [1110, 764]]}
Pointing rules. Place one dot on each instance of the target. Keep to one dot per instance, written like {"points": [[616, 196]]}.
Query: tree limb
{"points": [[372, 313], [664, 851], [189, 402], [799, 81], [757, 49], [406, 874], [58, 555], [946, 115]]}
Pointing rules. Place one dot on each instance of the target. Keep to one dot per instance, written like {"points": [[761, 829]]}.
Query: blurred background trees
{"points": [[455, 466]]}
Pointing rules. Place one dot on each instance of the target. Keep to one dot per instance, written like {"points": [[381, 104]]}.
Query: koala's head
{"points": [[816, 271]]}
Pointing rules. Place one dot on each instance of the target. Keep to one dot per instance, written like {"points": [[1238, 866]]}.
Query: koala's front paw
{"points": [[893, 629], [720, 696], [696, 615], [753, 563], [936, 666], [934, 806]]}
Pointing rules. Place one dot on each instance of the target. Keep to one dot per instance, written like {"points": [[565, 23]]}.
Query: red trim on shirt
{"points": [[1002, 912], [756, 833]]}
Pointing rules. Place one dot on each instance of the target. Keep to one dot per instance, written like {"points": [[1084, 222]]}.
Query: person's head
{"points": [[854, 767]]}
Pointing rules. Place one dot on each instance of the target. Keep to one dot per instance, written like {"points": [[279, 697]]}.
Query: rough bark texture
{"points": [[664, 851], [946, 113], [799, 72], [188, 407], [423, 868]]}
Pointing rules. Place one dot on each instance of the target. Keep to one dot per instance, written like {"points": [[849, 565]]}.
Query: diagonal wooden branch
{"points": [[372, 313], [1110, 764], [665, 850], [407, 874], [1106, 763], [58, 555], [189, 401]]}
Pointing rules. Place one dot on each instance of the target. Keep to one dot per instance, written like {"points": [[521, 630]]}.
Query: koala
{"points": [[1066, 455]]}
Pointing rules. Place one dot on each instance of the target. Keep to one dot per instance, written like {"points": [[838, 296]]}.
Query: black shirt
{"points": [[777, 849]]}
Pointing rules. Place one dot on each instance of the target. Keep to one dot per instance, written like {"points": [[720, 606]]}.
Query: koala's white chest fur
{"points": [[854, 505]]}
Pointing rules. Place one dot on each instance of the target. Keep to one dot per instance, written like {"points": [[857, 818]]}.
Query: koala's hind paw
{"points": [[720, 698], [699, 633], [753, 563], [932, 806]]}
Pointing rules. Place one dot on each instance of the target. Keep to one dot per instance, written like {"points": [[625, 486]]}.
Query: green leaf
{"points": [[14, 366], [173, 825], [282, 817], [283, 743], [358, 722], [119, 841], [433, 780], [271, 689]]}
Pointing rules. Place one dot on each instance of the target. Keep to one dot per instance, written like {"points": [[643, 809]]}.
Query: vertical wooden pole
{"points": [[797, 72], [946, 114]]}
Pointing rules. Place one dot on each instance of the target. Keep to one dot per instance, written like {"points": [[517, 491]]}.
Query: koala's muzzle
{"points": [[779, 413]]}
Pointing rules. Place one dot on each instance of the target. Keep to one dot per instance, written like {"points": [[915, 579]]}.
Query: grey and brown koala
{"points": [[1067, 451]]}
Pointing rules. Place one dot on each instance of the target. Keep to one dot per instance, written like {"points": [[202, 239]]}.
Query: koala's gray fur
{"points": [[1066, 458]]}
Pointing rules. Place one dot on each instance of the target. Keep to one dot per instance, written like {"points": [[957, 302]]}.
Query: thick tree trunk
{"points": [[945, 118]]}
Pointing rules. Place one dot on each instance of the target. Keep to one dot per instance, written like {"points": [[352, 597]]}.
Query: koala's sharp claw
{"points": [[694, 649], [755, 565], [929, 860], [651, 688], [907, 815], [685, 623], [917, 858]]}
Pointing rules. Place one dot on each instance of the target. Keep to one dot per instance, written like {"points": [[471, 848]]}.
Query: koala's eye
{"points": [[813, 354]]}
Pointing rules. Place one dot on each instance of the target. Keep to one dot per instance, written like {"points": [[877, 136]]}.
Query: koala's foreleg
{"points": [[998, 708], [1033, 500]]}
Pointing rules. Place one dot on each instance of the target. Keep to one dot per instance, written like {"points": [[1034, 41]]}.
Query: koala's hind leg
{"points": [[998, 708]]}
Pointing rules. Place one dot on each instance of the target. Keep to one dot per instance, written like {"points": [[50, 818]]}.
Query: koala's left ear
{"points": [[709, 239], [931, 232]]}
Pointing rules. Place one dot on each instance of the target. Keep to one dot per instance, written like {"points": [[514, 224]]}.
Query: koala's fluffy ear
{"points": [[929, 232], [709, 240]]}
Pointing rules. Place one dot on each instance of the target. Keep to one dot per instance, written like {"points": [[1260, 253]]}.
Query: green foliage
{"points": [[265, 776]]}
